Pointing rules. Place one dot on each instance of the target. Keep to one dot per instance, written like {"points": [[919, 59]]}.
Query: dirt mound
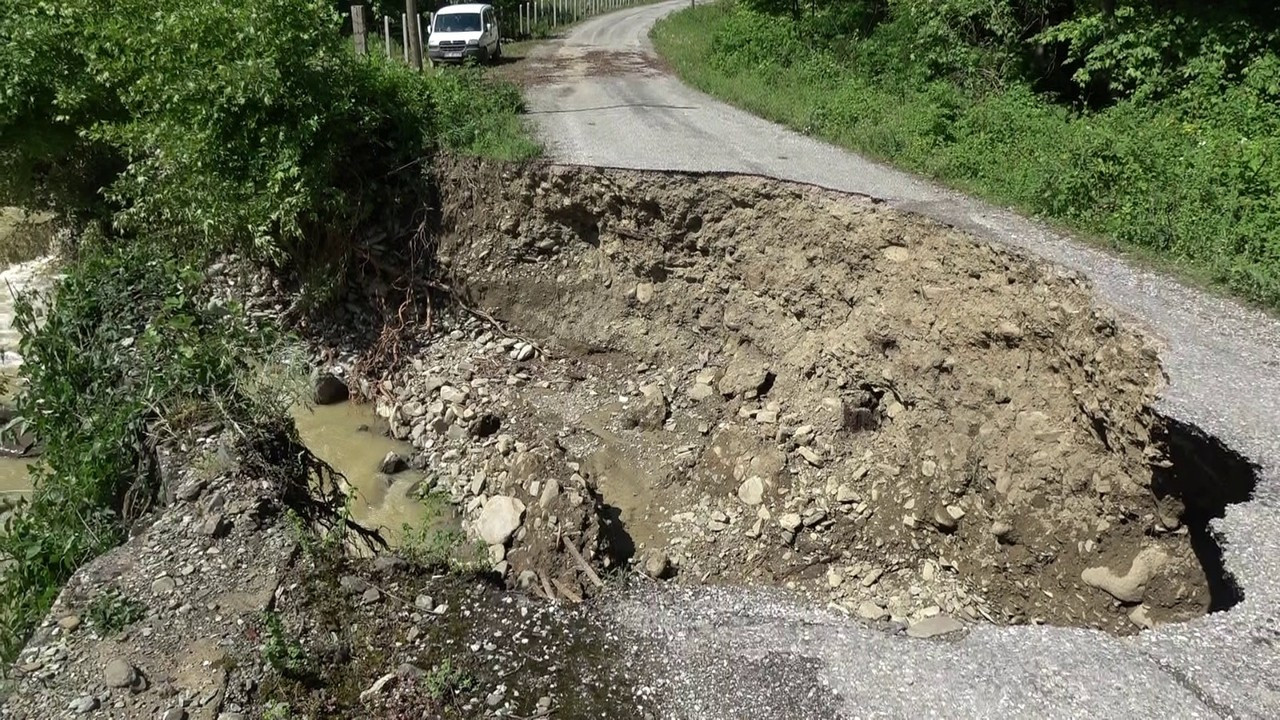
{"points": [[771, 383]]}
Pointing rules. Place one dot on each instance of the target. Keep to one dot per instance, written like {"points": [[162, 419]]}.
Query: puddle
{"points": [[346, 436]]}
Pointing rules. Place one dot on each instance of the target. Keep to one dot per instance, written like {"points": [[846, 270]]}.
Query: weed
{"points": [[445, 681], [283, 652], [277, 711], [111, 611]]}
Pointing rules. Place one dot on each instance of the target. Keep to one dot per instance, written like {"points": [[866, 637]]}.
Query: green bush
{"points": [[1186, 169], [131, 349], [227, 126]]}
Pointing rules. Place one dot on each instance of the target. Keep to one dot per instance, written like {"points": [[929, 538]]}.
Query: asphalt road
{"points": [[605, 101]]}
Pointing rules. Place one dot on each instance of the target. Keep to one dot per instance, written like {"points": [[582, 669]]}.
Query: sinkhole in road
{"points": [[863, 406]]}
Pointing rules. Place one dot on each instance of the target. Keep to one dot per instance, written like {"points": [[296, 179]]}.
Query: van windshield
{"points": [[457, 22]]}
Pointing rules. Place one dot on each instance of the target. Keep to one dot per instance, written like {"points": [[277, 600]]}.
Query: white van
{"points": [[459, 32]]}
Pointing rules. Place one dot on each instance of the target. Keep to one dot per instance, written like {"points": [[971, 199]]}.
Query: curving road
{"points": [[600, 97]]}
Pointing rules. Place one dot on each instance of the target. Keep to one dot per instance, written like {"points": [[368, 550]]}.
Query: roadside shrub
{"points": [[224, 126]]}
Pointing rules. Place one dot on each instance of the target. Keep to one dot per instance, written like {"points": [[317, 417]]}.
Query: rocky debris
{"points": [[1131, 587], [871, 611], [935, 626], [382, 684], [118, 673], [500, 519], [392, 464], [84, 705], [746, 375], [751, 491], [657, 565], [651, 412], [330, 390]]}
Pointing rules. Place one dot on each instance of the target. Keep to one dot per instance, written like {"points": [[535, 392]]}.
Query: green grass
{"points": [[1189, 185]]}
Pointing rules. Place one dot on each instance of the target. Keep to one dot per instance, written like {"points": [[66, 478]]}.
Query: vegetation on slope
{"points": [[163, 134]]}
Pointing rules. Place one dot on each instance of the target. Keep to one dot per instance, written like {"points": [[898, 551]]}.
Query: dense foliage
{"points": [[163, 134], [1155, 123]]}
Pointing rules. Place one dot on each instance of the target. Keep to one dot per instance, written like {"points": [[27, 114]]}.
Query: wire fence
{"points": [[394, 36]]}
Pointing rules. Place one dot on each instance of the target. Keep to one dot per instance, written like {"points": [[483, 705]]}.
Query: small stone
{"points": [[810, 456], [934, 627], [191, 491], [163, 585], [84, 705], [499, 519], [872, 577], [392, 463], [700, 392], [330, 390], [378, 686], [424, 603], [790, 522], [526, 352], [409, 671], [747, 374], [388, 563], [453, 395], [353, 584], [943, 519], [215, 526], [1009, 332], [644, 293], [175, 713], [1001, 530], [119, 673], [549, 493], [767, 417], [1138, 616], [813, 516], [846, 494], [657, 565], [869, 610], [1132, 586], [928, 468], [69, 622], [751, 491], [370, 595], [834, 578], [494, 698]]}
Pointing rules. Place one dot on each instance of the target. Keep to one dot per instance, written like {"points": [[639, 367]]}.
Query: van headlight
{"points": [[473, 42]]}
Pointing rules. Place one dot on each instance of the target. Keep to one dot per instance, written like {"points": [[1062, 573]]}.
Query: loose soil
{"points": [[841, 399], [709, 379]]}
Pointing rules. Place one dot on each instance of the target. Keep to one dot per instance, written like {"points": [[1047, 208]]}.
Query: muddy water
{"points": [[343, 436]]}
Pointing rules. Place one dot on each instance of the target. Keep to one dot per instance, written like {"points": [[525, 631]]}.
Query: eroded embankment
{"points": [[771, 383]]}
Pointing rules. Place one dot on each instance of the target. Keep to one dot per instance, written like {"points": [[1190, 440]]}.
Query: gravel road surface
{"points": [[600, 97]]}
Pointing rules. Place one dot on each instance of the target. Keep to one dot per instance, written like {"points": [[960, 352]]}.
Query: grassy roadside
{"points": [[1177, 190]]}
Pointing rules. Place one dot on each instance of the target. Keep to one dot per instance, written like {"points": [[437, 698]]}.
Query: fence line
{"points": [[519, 21]]}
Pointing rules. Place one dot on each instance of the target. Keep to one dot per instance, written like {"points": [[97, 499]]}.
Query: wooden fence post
{"points": [[404, 36], [386, 34], [359, 34], [415, 33]]}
